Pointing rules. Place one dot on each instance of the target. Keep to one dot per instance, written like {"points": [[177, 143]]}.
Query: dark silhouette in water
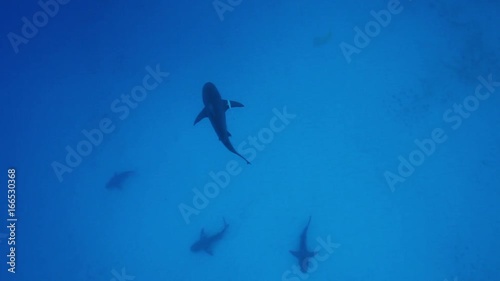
{"points": [[215, 110], [322, 40], [303, 254], [205, 242], [118, 179]]}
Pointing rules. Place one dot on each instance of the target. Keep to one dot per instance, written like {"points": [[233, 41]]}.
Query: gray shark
{"points": [[215, 110], [118, 179], [303, 254], [206, 242]]}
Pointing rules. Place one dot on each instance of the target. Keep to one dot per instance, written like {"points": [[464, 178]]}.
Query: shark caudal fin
{"points": [[248, 162], [230, 147]]}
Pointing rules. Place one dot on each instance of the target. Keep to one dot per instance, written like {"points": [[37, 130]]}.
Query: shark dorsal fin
{"points": [[295, 253], [202, 233]]}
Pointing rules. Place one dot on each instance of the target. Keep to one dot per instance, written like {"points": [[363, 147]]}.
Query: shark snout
{"points": [[209, 86], [210, 93]]}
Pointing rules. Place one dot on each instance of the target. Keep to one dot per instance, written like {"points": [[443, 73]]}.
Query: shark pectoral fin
{"points": [[312, 254], [295, 253], [235, 104], [201, 115], [229, 134], [230, 104], [209, 251]]}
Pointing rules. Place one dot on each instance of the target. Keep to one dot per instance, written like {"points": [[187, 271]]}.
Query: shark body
{"points": [[303, 254], [215, 110], [118, 179], [206, 242]]}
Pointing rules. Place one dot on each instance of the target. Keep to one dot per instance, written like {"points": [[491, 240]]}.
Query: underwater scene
{"points": [[250, 140]]}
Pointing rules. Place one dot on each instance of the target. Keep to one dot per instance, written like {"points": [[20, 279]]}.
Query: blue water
{"points": [[384, 131]]}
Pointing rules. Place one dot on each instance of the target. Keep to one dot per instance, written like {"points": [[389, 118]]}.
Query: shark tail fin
{"points": [[248, 162]]}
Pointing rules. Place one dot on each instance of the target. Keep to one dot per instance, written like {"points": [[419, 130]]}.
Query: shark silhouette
{"points": [[118, 179], [215, 110], [206, 242], [303, 254]]}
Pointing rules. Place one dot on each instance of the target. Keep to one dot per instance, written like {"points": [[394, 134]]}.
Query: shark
{"points": [[118, 179], [215, 110], [205, 242], [322, 40], [303, 254]]}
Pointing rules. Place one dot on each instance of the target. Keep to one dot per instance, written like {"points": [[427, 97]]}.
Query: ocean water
{"points": [[377, 119]]}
